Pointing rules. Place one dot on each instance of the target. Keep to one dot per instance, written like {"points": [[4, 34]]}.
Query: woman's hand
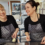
{"points": [[14, 35], [28, 38], [43, 40]]}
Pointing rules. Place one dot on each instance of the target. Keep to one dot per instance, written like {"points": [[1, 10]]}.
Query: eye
{"points": [[27, 7], [2, 10]]}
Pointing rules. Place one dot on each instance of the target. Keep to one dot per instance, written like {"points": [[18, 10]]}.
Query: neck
{"points": [[3, 19], [34, 15]]}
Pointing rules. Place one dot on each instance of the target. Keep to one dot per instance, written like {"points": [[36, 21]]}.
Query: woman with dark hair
{"points": [[34, 24], [8, 25]]}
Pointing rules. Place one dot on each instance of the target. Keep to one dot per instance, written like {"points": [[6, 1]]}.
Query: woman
{"points": [[8, 25], [34, 24]]}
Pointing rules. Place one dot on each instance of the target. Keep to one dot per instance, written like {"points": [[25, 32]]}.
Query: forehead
{"points": [[27, 4]]}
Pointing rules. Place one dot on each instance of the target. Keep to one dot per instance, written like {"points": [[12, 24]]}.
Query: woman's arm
{"points": [[26, 33], [27, 36], [15, 33], [15, 26], [26, 30], [16, 30], [43, 39]]}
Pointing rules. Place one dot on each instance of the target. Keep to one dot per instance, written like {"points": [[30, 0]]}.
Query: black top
{"points": [[36, 29], [7, 28]]}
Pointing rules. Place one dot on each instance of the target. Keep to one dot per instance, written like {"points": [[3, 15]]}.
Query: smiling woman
{"points": [[8, 25], [2, 13], [34, 24]]}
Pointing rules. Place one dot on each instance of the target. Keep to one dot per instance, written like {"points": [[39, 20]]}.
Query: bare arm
{"points": [[17, 29], [26, 33]]}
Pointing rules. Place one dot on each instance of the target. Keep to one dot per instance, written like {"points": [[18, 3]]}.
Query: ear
{"points": [[34, 8]]}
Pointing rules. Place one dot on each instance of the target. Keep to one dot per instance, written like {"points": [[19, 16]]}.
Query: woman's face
{"points": [[29, 9], [2, 13]]}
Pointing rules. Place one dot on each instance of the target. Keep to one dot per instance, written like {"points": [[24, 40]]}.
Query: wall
{"points": [[5, 4]]}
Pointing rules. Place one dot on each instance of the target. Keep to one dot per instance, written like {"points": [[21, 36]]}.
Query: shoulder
{"points": [[10, 17], [27, 19], [42, 16]]}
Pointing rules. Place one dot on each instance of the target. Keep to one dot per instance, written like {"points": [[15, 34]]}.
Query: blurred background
{"points": [[16, 8]]}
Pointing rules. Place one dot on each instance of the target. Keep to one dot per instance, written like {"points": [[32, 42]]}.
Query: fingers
{"points": [[14, 36], [28, 38], [43, 40]]}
